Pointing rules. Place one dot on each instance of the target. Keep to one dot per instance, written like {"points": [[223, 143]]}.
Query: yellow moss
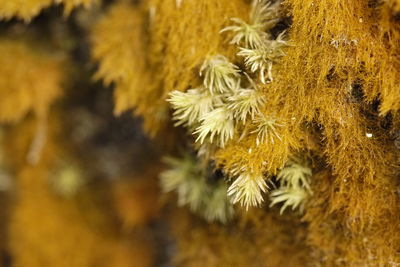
{"points": [[119, 46], [69, 5], [337, 79], [341, 55], [27, 9], [333, 244], [396, 4], [334, 57], [353, 50], [148, 50], [30, 80], [183, 36], [264, 157], [47, 230], [363, 165], [244, 243], [44, 242]]}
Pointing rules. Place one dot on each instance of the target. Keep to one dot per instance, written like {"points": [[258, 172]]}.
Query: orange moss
{"points": [[137, 201], [136, 252]]}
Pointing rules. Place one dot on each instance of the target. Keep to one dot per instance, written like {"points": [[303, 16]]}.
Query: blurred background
{"points": [[78, 185]]}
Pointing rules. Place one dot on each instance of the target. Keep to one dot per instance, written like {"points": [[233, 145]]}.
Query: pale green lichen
{"points": [[207, 199], [247, 189], [294, 186]]}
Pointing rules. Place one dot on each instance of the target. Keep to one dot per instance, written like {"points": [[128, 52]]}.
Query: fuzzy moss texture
{"points": [[275, 122]]}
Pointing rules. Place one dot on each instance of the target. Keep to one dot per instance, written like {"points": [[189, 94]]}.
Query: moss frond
{"points": [[28, 9], [30, 79]]}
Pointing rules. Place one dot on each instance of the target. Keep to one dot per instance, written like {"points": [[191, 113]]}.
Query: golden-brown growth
{"points": [[334, 244], [322, 86], [45, 227], [27, 9], [30, 80], [148, 51], [136, 202], [214, 245], [120, 47]]}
